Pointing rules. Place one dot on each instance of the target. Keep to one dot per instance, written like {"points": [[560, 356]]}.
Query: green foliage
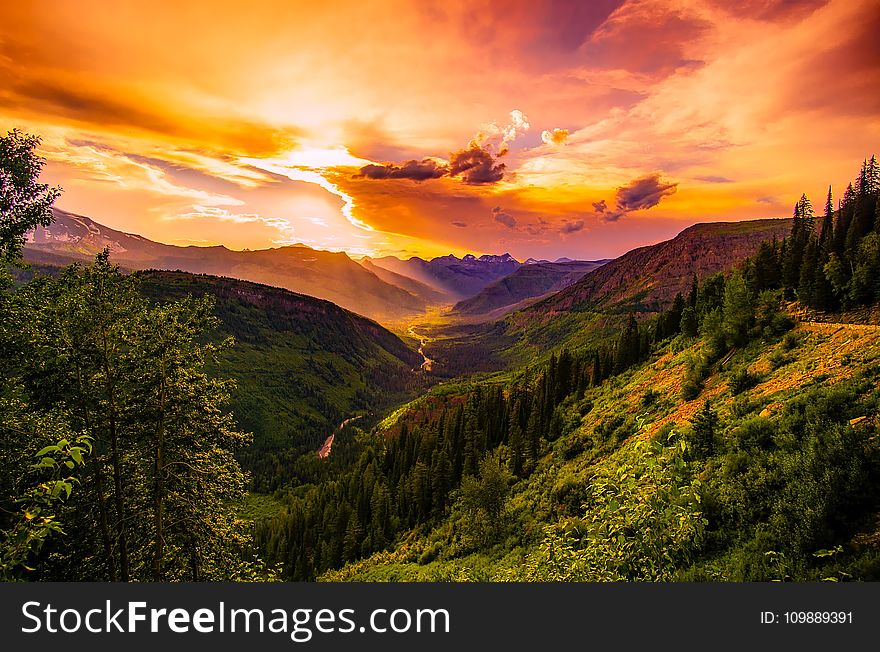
{"points": [[24, 202], [793, 486], [739, 311], [642, 521], [703, 432], [690, 324], [696, 369], [742, 380], [89, 349], [26, 531]]}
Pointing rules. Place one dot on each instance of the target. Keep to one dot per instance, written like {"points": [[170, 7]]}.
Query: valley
{"points": [[671, 414], [520, 292]]}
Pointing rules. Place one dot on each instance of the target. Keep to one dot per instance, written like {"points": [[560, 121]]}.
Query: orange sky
{"points": [[540, 128]]}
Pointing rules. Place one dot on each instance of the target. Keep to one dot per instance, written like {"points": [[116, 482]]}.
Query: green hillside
{"points": [[301, 366], [776, 479]]}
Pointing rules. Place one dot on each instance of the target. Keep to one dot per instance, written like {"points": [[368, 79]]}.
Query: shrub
{"points": [[696, 370], [742, 380], [779, 358]]}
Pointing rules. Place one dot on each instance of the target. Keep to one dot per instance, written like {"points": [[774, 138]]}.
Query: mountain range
{"points": [[387, 288], [456, 278], [528, 282]]}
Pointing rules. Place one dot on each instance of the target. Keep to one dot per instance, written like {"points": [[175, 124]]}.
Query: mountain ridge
{"points": [[652, 275], [532, 280], [326, 275]]}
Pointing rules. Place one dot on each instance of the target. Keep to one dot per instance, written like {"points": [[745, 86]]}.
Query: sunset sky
{"points": [[579, 129]]}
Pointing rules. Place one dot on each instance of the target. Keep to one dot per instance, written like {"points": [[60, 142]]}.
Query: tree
{"points": [[24, 202], [827, 221], [489, 490], [690, 326], [131, 375], [739, 312], [704, 428]]}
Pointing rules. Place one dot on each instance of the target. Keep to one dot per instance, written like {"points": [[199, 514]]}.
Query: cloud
{"points": [[644, 192], [427, 168], [505, 218], [499, 138], [712, 178], [97, 162], [639, 194], [572, 227], [198, 212], [554, 137], [460, 225], [771, 10], [475, 165]]}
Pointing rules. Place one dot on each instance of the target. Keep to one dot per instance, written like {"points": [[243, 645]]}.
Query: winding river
{"points": [[428, 363]]}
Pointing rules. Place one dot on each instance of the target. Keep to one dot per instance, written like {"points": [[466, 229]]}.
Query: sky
{"points": [[542, 129]]}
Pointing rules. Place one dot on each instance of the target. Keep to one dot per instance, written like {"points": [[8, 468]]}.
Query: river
{"points": [[324, 451], [428, 363]]}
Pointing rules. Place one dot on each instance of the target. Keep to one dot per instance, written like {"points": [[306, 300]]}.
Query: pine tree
{"points": [[809, 265], [827, 231], [739, 311], [704, 429]]}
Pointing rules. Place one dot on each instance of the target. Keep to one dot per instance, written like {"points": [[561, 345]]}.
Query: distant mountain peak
{"points": [[490, 258]]}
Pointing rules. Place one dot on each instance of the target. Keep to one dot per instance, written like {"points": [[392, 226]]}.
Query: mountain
{"points": [[459, 278], [301, 365], [323, 274], [644, 280], [428, 294], [649, 277], [527, 282]]}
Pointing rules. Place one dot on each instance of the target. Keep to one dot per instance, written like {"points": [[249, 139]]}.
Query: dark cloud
{"points": [[572, 227], [505, 218], [714, 179], [644, 192], [639, 194], [538, 228], [416, 170], [460, 225], [475, 165]]}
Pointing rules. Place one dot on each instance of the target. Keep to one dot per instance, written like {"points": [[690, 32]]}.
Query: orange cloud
{"points": [[290, 120]]}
